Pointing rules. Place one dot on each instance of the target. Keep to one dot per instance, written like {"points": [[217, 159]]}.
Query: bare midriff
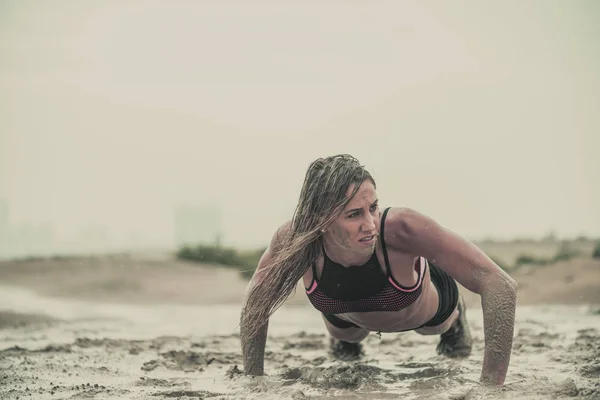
{"points": [[403, 270]]}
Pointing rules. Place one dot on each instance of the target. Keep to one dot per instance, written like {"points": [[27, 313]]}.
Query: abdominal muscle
{"points": [[411, 317]]}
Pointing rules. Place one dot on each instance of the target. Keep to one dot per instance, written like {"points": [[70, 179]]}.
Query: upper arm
{"points": [[418, 234]]}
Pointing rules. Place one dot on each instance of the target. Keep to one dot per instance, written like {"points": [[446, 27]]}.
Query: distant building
{"points": [[195, 224]]}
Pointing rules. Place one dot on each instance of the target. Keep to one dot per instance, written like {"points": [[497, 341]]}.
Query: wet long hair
{"points": [[322, 199]]}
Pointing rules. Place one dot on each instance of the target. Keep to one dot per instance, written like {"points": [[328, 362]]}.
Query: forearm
{"points": [[253, 351], [498, 301]]}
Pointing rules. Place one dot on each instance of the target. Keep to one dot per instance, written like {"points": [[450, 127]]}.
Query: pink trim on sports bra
{"points": [[314, 286], [421, 273]]}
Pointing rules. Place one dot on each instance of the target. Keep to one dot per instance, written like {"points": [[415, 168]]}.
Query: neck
{"points": [[346, 257]]}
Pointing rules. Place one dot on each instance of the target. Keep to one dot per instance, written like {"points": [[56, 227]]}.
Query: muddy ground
{"points": [[150, 327]]}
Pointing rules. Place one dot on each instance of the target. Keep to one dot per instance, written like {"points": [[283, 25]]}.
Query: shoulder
{"points": [[280, 234], [277, 240], [275, 245], [404, 225], [405, 220]]}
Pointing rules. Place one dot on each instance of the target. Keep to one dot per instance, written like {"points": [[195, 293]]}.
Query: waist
{"points": [[387, 299], [411, 317]]}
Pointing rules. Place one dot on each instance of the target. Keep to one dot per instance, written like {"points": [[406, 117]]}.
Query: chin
{"points": [[366, 246]]}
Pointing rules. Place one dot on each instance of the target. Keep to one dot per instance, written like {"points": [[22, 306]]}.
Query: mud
{"points": [[68, 347]]}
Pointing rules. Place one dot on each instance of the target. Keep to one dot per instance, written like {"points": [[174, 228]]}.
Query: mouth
{"points": [[368, 239]]}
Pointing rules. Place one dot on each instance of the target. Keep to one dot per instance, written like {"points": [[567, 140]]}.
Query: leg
{"points": [[455, 338], [345, 338], [442, 327], [450, 322]]}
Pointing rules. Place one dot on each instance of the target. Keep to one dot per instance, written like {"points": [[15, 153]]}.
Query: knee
{"points": [[441, 328], [431, 330], [352, 335]]}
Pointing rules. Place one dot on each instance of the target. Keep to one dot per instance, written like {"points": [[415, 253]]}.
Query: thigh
{"points": [[440, 328], [342, 330], [449, 297]]}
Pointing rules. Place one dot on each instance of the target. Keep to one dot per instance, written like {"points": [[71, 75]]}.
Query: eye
{"points": [[354, 214], [374, 207]]}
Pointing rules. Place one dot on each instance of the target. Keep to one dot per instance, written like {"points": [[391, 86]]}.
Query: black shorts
{"points": [[447, 292]]}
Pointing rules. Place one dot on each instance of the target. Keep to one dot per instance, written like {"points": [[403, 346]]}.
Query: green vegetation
{"points": [[565, 252], [245, 261], [596, 252]]}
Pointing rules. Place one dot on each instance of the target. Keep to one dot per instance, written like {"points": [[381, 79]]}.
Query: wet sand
{"points": [[130, 327]]}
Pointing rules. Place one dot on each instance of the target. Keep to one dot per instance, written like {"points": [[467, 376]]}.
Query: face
{"points": [[358, 226]]}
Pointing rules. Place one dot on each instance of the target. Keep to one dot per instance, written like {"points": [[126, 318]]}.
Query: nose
{"points": [[369, 224]]}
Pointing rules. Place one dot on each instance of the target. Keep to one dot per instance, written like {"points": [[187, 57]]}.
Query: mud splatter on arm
{"points": [[498, 301]]}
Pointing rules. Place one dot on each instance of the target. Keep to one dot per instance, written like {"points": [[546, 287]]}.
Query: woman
{"points": [[368, 270]]}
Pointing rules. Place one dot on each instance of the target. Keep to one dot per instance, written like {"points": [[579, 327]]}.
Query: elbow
{"points": [[510, 282], [514, 285], [501, 283]]}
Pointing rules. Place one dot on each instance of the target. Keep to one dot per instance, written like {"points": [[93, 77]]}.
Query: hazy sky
{"points": [[483, 115]]}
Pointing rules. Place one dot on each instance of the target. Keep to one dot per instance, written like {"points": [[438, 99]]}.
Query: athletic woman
{"points": [[367, 269]]}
